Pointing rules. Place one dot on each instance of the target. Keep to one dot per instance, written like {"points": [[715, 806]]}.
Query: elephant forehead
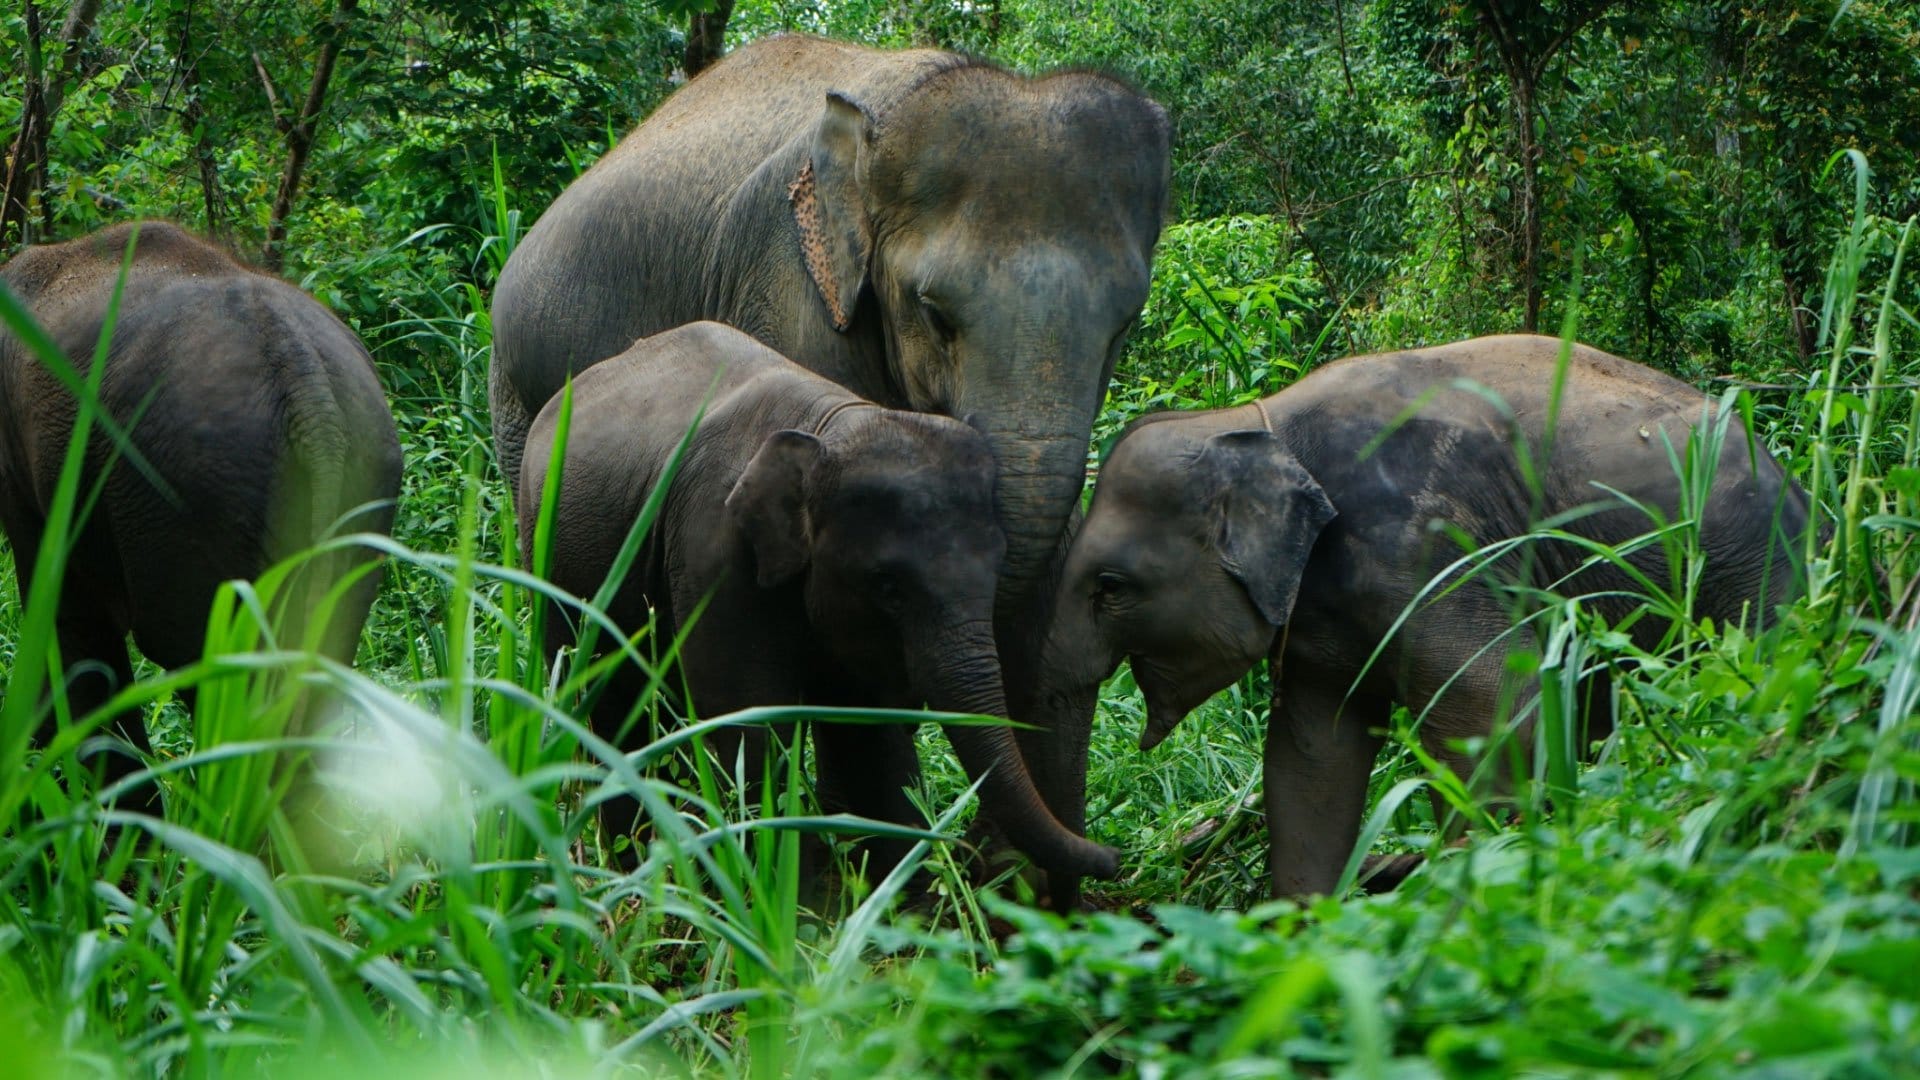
{"points": [[1027, 151], [1154, 464], [914, 490], [1029, 193]]}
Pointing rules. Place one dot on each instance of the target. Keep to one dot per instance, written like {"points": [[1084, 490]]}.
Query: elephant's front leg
{"points": [[1319, 755], [866, 769]]}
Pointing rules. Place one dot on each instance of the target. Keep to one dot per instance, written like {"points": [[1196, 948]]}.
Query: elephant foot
{"points": [[990, 860]]}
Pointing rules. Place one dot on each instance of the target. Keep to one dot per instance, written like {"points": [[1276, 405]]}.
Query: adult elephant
{"points": [[930, 231]]}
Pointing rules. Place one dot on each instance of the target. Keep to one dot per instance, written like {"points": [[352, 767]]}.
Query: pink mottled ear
{"points": [[835, 239], [769, 505]]}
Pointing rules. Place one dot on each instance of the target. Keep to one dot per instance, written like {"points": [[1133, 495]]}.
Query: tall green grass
{"points": [[1730, 886]]}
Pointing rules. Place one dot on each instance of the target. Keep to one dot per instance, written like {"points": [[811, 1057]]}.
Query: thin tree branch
{"points": [[1282, 171], [300, 135], [1340, 27], [1576, 22], [1387, 183], [280, 122]]}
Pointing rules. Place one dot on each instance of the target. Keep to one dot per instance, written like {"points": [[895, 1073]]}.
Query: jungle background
{"points": [[1724, 190]]}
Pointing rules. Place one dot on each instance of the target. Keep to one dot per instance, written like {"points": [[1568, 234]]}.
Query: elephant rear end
{"points": [[259, 424], [265, 418], [339, 471], [1746, 519], [1754, 534]]}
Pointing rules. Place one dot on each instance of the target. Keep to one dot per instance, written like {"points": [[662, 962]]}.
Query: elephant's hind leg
{"points": [[1505, 711], [93, 650], [1319, 756]]}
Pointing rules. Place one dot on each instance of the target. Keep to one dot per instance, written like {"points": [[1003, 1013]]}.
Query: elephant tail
{"points": [[511, 423]]}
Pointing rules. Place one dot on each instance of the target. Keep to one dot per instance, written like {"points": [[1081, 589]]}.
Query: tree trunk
{"points": [[73, 34], [194, 122], [75, 30], [24, 172], [1800, 281], [1526, 40], [706, 38], [26, 175], [1724, 64], [300, 134], [1654, 335]]}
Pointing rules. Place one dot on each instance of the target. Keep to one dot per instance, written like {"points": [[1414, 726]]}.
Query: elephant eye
{"points": [[936, 320], [1108, 584]]}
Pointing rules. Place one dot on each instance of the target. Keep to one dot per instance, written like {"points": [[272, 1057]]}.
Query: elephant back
{"points": [[720, 126], [1494, 435]]}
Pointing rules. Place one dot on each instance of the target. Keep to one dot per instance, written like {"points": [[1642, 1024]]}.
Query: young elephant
{"points": [[1301, 528], [259, 412], [846, 554]]}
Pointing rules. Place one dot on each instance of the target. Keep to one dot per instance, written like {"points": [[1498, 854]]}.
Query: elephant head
{"points": [[886, 518], [1187, 565], [996, 232]]}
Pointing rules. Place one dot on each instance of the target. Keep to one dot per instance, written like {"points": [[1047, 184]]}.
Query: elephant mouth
{"points": [[1162, 718], [1170, 696]]}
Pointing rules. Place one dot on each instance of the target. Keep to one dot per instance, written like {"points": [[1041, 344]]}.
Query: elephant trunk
{"points": [[1074, 662], [1044, 376], [967, 680], [1041, 475], [1065, 713], [1042, 465]]}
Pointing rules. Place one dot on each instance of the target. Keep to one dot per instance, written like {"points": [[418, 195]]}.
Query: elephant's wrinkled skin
{"points": [[846, 555], [1218, 538], [930, 232], [259, 411]]}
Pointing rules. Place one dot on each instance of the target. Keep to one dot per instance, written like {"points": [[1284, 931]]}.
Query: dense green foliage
{"points": [[1735, 885]]}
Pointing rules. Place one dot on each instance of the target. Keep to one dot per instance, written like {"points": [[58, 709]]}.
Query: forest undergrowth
{"points": [[1734, 883], [1732, 886]]}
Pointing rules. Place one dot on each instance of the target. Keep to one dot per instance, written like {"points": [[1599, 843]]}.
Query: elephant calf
{"points": [[258, 411], [846, 554], [1302, 528]]}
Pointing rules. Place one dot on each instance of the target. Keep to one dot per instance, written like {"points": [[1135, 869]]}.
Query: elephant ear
{"points": [[835, 238], [1267, 511], [769, 505]]}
